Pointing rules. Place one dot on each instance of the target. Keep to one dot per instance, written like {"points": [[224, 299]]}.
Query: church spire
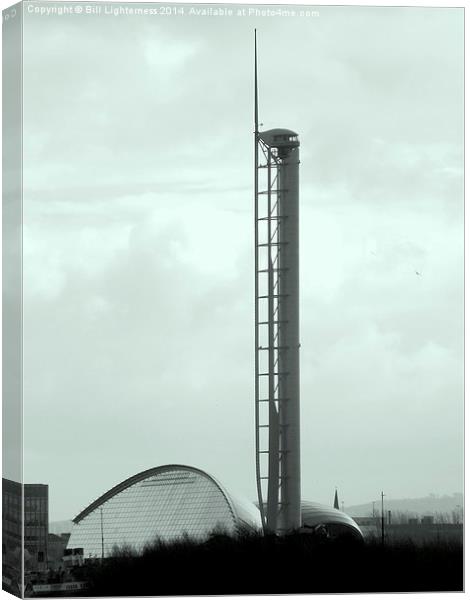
{"points": [[336, 503]]}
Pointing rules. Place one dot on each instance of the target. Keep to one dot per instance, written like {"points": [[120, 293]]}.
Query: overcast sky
{"points": [[138, 247]]}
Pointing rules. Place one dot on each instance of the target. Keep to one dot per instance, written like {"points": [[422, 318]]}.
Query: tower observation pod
{"points": [[277, 405]]}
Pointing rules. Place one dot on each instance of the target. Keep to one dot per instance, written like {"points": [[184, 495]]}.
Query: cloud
{"points": [[138, 247]]}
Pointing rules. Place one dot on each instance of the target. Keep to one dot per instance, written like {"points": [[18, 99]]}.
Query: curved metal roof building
{"points": [[164, 502], [336, 522]]}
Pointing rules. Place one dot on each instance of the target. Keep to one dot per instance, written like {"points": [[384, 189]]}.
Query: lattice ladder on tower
{"points": [[268, 299]]}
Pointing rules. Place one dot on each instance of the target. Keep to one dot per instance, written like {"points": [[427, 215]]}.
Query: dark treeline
{"points": [[253, 564]]}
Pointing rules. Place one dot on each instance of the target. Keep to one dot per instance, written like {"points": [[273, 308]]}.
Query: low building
{"points": [[427, 519], [56, 545], [333, 522]]}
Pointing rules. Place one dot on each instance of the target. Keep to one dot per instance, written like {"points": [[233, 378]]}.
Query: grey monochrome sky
{"points": [[138, 247]]}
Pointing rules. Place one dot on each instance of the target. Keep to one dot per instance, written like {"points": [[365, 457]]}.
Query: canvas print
{"points": [[232, 299]]}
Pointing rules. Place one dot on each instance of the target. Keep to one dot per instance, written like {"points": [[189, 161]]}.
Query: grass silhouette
{"points": [[251, 563]]}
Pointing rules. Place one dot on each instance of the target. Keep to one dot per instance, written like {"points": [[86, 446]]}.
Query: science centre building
{"points": [[172, 501], [165, 502]]}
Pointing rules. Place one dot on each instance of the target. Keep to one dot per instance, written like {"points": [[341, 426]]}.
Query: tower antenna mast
{"points": [[256, 88], [277, 417]]}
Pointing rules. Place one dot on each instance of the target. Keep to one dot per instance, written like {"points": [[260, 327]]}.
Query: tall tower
{"points": [[277, 325]]}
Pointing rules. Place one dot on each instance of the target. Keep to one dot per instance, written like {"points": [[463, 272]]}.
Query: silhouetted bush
{"points": [[254, 564]]}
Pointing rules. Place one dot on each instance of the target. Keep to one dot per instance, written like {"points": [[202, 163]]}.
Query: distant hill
{"points": [[59, 527], [420, 506]]}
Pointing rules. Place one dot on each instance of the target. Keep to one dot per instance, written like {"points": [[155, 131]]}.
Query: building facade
{"points": [[11, 521], [36, 523]]}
